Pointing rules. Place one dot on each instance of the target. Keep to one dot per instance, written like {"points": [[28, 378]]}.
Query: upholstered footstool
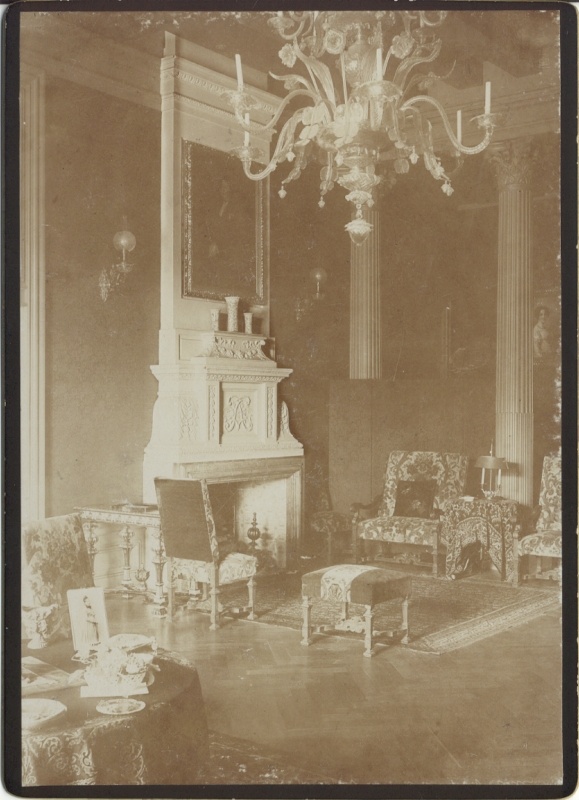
{"points": [[353, 583]]}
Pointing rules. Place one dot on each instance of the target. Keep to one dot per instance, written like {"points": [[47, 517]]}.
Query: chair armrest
{"points": [[366, 511]]}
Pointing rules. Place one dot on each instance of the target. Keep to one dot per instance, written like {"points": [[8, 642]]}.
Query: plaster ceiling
{"points": [[513, 40]]}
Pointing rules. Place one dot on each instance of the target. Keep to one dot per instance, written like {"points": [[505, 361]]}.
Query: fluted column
{"points": [[365, 334], [514, 369]]}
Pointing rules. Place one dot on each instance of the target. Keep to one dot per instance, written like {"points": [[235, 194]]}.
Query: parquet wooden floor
{"points": [[487, 713]]}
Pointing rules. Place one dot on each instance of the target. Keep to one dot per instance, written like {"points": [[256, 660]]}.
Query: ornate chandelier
{"points": [[363, 112]]}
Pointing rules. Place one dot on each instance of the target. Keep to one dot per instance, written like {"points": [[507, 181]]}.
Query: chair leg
{"points": [[214, 593], [251, 592], [368, 624], [405, 628], [306, 625]]}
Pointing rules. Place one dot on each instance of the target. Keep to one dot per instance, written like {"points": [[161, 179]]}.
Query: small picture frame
{"points": [[546, 328], [88, 618]]}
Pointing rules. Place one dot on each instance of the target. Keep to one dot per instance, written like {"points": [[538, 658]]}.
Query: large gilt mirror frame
{"points": [[225, 227]]}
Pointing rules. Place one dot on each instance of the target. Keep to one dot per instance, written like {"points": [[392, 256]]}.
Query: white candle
{"points": [[246, 135], [379, 64], [239, 72], [459, 126], [499, 480], [488, 97], [482, 480]]}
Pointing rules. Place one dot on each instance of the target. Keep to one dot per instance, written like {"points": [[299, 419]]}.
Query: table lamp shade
{"points": [[490, 462]]}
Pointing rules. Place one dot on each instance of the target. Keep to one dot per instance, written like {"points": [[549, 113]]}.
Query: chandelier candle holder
{"points": [[363, 108], [494, 466]]}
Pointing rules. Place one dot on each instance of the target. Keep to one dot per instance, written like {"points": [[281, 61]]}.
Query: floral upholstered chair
{"points": [[196, 556], [545, 541], [54, 559], [417, 485]]}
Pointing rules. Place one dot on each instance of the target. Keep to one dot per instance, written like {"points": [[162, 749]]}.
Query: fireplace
{"points": [[270, 488]]}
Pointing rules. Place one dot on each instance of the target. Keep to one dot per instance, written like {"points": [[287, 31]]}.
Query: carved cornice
{"points": [[205, 108], [244, 377], [211, 86], [229, 347], [512, 163]]}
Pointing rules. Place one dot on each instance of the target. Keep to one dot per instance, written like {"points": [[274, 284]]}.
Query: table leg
{"points": [[159, 561], [307, 624], [126, 545], [91, 543], [368, 622], [251, 591]]}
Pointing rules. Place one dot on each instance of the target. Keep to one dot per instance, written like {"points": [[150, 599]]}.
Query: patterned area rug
{"points": [[236, 761], [444, 615]]}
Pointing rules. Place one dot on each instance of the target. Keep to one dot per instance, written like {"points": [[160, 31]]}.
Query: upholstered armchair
{"points": [[196, 555], [545, 540], [54, 559], [417, 486]]}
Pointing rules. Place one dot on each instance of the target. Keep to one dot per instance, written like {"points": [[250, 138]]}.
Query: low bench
{"points": [[353, 583]]}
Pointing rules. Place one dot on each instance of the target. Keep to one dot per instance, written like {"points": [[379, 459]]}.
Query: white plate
{"points": [[121, 705], [37, 712], [129, 641]]}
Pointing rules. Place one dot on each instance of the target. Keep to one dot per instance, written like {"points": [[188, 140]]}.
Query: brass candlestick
{"points": [[253, 533]]}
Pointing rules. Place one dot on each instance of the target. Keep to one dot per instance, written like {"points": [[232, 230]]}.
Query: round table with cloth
{"points": [[164, 743]]}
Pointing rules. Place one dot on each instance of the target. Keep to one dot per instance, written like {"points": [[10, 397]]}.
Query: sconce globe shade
{"points": [[319, 275], [124, 240]]}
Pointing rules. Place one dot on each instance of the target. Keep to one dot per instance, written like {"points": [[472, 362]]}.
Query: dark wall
{"points": [[102, 163]]}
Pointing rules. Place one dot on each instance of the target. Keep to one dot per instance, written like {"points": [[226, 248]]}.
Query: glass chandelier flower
{"points": [[362, 108]]}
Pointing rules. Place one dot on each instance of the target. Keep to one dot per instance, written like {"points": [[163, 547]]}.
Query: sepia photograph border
{"points": [[12, 454]]}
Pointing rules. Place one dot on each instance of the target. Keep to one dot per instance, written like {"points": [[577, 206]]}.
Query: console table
{"points": [[129, 516], [494, 523]]}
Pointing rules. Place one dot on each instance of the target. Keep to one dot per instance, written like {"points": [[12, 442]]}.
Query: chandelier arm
{"points": [[409, 104], [408, 64], [267, 127], [288, 37], [424, 18], [280, 146]]}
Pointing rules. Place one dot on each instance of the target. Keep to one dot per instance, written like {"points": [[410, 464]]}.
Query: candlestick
{"points": [[239, 72], [246, 136], [482, 480], [459, 126], [379, 64], [488, 97]]}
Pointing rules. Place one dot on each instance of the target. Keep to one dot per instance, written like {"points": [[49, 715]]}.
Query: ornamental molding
{"points": [[213, 88], [224, 377], [238, 416], [213, 430], [223, 347], [188, 418]]}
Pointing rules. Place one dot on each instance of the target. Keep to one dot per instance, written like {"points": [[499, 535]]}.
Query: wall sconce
{"points": [[494, 467], [123, 241], [306, 304]]}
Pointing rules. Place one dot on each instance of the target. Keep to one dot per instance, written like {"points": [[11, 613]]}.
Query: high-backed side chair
{"points": [[417, 486], [192, 546], [54, 559], [545, 541]]}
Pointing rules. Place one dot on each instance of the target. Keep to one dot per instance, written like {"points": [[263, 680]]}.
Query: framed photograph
{"points": [[546, 327], [88, 618], [225, 227]]}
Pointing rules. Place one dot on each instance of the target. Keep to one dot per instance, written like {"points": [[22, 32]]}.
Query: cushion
{"points": [[415, 499]]}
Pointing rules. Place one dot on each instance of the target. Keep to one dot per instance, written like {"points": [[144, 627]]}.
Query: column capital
{"points": [[512, 163]]}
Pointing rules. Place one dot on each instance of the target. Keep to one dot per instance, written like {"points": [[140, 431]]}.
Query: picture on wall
{"points": [[546, 327], [224, 227]]}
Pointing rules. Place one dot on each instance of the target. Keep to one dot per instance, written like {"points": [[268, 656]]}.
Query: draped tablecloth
{"points": [[493, 523], [165, 743]]}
